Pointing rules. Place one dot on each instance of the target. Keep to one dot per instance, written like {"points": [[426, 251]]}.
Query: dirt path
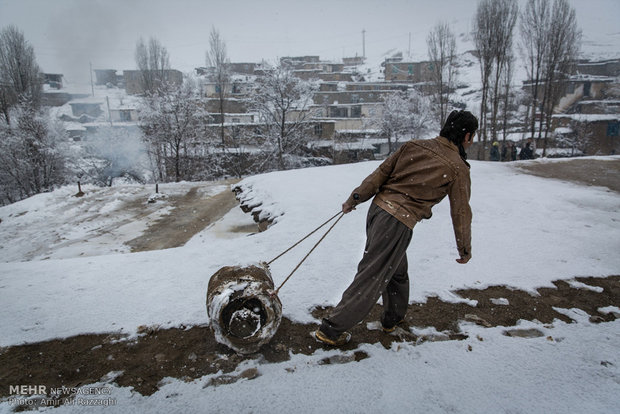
{"points": [[589, 171], [191, 214], [189, 353]]}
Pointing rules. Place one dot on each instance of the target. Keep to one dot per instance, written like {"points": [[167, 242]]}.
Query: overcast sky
{"points": [[69, 34]]}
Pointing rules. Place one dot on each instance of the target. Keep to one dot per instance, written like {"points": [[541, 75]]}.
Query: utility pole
{"points": [[364, 43], [409, 53], [109, 114], [92, 88]]}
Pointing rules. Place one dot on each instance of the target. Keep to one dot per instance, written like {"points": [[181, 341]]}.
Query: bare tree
{"points": [[281, 101], [171, 123], [153, 63], [505, 17], [441, 44], [581, 136], [31, 159], [534, 24], [550, 42], [483, 38], [217, 59], [493, 27], [507, 75], [564, 39], [405, 114], [20, 79]]}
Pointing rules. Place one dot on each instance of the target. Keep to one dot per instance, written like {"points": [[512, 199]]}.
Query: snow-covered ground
{"points": [[527, 231]]}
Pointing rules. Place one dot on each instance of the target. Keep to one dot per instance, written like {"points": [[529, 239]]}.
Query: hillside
{"points": [[530, 324]]}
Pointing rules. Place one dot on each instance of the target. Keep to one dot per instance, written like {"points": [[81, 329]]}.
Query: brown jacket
{"points": [[418, 176]]}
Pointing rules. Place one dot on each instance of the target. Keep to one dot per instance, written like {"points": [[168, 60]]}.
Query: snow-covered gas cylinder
{"points": [[244, 316]]}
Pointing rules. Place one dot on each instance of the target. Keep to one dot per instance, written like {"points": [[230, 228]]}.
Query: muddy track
{"points": [[591, 172], [189, 353], [192, 213]]}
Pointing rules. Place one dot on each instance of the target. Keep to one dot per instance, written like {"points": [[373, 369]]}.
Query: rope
{"points": [[275, 292], [304, 238]]}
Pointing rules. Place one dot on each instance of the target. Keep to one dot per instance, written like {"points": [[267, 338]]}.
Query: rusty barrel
{"points": [[243, 314]]}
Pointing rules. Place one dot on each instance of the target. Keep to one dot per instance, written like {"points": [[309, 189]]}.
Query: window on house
{"points": [[613, 129], [410, 69], [356, 111], [318, 130], [355, 98], [335, 112], [125, 115]]}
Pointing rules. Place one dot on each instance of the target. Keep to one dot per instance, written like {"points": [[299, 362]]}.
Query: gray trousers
{"points": [[381, 272]]}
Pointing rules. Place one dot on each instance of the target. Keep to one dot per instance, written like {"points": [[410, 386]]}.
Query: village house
{"points": [[588, 116], [410, 72], [133, 80], [108, 77], [353, 61], [125, 114], [53, 80], [592, 134], [210, 89], [91, 109]]}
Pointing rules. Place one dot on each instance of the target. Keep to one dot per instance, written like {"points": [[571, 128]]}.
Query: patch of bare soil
{"points": [[191, 213], [189, 353], [605, 173]]}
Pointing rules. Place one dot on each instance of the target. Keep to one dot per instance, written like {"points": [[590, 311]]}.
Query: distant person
{"points": [[526, 153], [507, 151], [494, 156], [513, 151], [405, 187]]}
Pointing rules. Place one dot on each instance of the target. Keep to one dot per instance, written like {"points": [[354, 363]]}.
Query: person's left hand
{"points": [[347, 207]]}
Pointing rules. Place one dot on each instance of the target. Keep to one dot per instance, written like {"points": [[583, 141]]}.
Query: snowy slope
{"points": [[527, 232]]}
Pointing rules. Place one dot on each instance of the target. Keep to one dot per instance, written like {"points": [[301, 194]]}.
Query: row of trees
{"points": [[31, 157], [550, 41], [549, 44]]}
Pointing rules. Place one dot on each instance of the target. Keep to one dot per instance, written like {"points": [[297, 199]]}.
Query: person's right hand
{"points": [[465, 256]]}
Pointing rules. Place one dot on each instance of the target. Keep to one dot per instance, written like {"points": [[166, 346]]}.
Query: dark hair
{"points": [[457, 125]]}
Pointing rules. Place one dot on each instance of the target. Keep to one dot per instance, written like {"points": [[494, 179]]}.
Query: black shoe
{"points": [[343, 339]]}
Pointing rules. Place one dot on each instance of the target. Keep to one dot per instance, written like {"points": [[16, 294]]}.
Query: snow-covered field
{"points": [[527, 231]]}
